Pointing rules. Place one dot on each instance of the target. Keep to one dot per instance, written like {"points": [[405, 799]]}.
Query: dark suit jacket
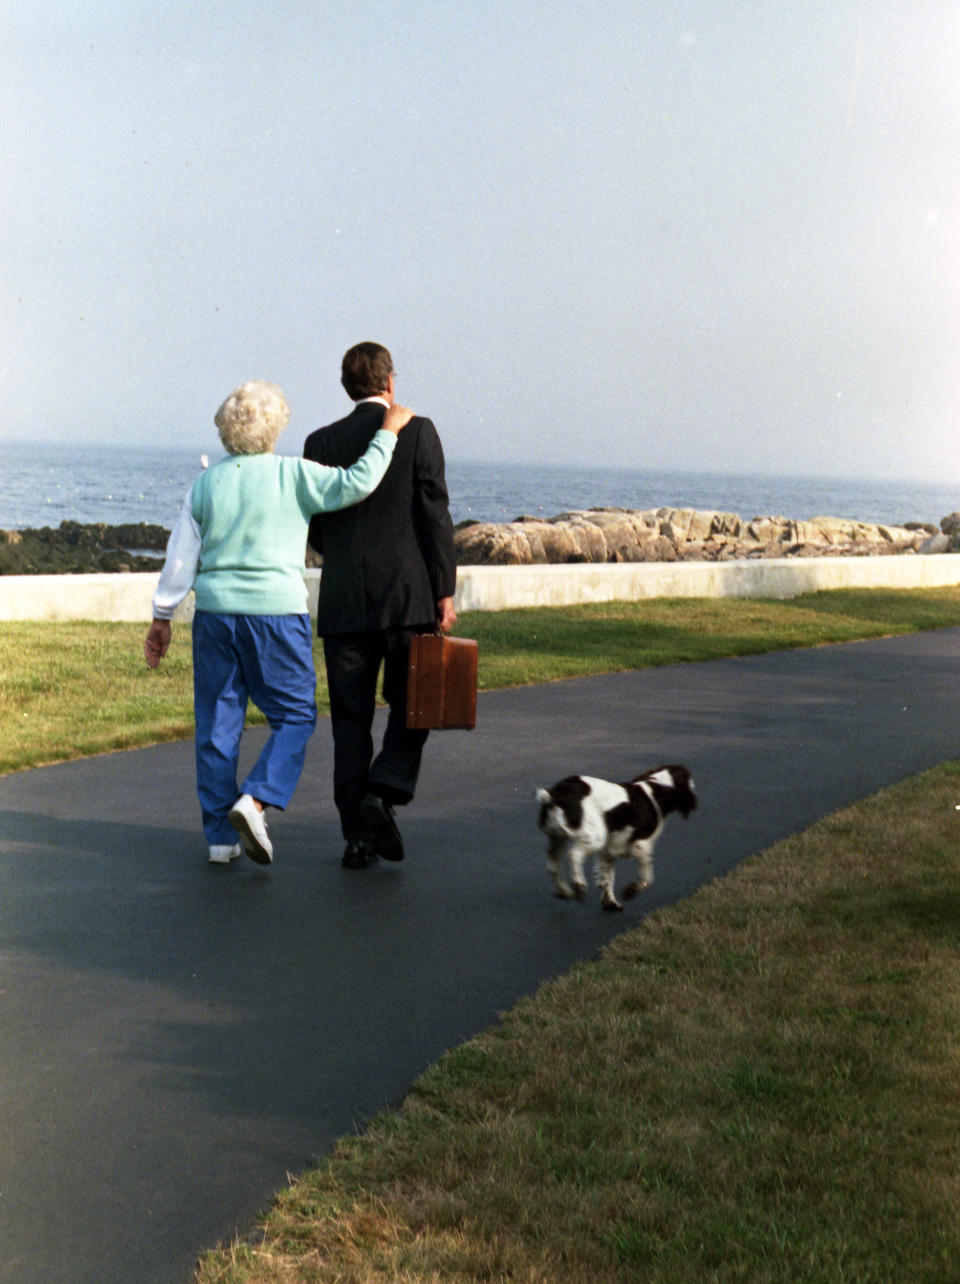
{"points": [[388, 560]]}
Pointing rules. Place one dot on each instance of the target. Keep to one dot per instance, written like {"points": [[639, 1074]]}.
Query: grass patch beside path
{"points": [[540, 645], [757, 1084], [68, 690]]}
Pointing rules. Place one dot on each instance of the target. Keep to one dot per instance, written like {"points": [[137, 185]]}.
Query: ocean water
{"points": [[46, 484]]}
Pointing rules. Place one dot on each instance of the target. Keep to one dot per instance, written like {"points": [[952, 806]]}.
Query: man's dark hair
{"points": [[366, 370]]}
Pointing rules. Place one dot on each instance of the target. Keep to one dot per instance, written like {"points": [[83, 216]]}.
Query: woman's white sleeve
{"points": [[180, 568]]}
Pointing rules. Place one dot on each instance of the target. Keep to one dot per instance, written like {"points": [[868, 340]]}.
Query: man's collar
{"points": [[381, 401]]}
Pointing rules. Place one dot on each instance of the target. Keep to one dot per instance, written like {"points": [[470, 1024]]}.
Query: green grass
{"points": [[540, 645], [757, 1084], [67, 690]]}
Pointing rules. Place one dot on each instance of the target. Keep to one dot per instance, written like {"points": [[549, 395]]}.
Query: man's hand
{"points": [[157, 642], [397, 417], [446, 615]]}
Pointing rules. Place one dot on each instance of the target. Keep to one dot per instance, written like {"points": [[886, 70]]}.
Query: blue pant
{"points": [[267, 659]]}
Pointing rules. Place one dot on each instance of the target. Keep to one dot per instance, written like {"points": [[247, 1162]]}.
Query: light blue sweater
{"points": [[241, 536]]}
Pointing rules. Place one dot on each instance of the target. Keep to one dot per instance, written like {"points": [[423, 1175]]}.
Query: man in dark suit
{"points": [[388, 572]]}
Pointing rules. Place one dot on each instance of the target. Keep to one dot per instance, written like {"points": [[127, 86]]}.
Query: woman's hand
{"points": [[156, 643], [397, 417]]}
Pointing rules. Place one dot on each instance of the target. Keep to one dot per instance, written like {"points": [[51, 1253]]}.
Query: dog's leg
{"points": [[643, 855], [555, 854], [578, 854], [604, 870]]}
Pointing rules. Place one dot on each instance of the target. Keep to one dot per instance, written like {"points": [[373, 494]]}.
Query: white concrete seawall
{"points": [[495, 588]]}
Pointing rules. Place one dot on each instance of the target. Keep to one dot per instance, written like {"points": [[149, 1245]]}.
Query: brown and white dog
{"points": [[583, 816]]}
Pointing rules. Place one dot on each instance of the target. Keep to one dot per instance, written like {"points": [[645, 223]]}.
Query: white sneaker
{"points": [[248, 820], [223, 853]]}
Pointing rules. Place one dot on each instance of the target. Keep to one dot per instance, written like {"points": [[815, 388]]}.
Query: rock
{"points": [[589, 538], [82, 549], [938, 543], [675, 534], [488, 544], [700, 527], [625, 534], [726, 524], [808, 533], [761, 530], [660, 549], [666, 534], [558, 543]]}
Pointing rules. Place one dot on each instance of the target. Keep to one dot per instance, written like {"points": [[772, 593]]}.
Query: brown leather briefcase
{"points": [[442, 683]]}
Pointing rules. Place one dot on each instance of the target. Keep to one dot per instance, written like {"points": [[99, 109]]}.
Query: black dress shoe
{"points": [[358, 854], [381, 828]]}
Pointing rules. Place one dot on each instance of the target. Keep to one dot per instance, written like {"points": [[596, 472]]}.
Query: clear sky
{"points": [[708, 234]]}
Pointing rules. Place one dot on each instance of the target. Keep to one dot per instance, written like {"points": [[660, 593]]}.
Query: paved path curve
{"points": [[176, 1038]]}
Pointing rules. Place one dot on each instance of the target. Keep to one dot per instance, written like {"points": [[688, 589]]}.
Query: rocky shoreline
{"points": [[77, 549], [589, 535], [685, 534]]}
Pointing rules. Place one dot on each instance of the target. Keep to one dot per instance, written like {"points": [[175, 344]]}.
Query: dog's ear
{"points": [[686, 789], [687, 802]]}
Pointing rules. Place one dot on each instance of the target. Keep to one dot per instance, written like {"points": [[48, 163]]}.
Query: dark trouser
{"points": [[353, 663]]}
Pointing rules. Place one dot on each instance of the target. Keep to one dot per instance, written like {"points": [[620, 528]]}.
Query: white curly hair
{"points": [[252, 418]]}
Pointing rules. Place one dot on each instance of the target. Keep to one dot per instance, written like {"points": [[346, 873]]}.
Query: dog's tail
{"points": [[550, 819]]}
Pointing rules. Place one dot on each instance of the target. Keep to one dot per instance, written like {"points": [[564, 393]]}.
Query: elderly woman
{"points": [[239, 544]]}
